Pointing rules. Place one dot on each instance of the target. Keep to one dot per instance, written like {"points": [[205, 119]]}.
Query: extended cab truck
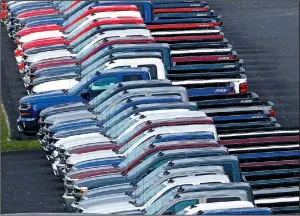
{"points": [[126, 60], [112, 90], [53, 131], [148, 198], [30, 106]]}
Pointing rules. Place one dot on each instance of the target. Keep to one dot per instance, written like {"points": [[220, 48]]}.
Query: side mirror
{"points": [[84, 93]]}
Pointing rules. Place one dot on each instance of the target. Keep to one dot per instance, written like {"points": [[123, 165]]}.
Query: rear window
{"points": [[132, 77], [153, 70]]}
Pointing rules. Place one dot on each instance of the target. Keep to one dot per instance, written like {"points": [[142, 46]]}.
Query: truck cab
{"points": [[30, 106]]}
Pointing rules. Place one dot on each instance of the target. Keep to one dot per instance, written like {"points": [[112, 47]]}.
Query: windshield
{"points": [[74, 8], [63, 5], [145, 197], [125, 147], [120, 128], [117, 118], [73, 18], [102, 97], [160, 203], [149, 179], [108, 103], [98, 65], [97, 56], [134, 154], [83, 40], [78, 86]]}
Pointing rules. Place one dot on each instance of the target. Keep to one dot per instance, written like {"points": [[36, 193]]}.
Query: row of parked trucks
{"points": [[142, 107]]}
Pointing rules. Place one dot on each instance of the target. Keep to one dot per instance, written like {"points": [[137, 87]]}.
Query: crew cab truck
{"points": [[174, 201], [148, 198], [30, 106], [54, 132], [76, 172], [126, 60], [142, 186], [103, 180], [184, 118]]}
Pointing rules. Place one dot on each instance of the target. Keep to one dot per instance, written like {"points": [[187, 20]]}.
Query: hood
{"points": [[89, 138], [111, 208], [44, 97], [80, 140], [63, 108], [68, 116], [55, 85], [76, 174], [77, 158], [48, 55]]}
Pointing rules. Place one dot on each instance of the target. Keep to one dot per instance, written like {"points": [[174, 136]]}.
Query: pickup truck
{"points": [[196, 194], [94, 125], [112, 90], [229, 163], [127, 147], [160, 177], [77, 171], [156, 122], [103, 180], [136, 124], [123, 60], [103, 108], [172, 202], [71, 127], [147, 199], [145, 7], [30, 106]]}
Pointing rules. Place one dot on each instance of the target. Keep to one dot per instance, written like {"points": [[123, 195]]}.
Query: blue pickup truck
{"points": [[85, 90]]}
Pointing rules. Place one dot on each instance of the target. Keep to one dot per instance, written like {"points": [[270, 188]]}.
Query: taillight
{"points": [[21, 66], [243, 87], [272, 113], [3, 14], [18, 52], [3, 4]]}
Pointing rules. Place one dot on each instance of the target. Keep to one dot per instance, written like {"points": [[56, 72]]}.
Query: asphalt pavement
{"points": [[264, 33], [28, 184]]}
